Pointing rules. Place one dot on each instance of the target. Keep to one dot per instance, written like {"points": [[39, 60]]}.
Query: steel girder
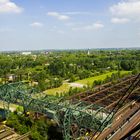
{"points": [[72, 117]]}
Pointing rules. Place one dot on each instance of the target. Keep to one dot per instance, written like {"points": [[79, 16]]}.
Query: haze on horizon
{"points": [[73, 24]]}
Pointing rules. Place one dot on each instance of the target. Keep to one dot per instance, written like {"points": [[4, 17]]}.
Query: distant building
{"points": [[46, 52], [88, 52], [26, 53]]}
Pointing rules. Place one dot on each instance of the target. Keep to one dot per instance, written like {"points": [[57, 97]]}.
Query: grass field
{"points": [[65, 87], [100, 77]]}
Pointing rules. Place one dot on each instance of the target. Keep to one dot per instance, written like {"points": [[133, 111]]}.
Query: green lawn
{"points": [[100, 77], [65, 87]]}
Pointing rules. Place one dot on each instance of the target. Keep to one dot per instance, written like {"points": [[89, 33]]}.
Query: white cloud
{"points": [[58, 16], [6, 6], [126, 9], [36, 24], [94, 26], [119, 20]]}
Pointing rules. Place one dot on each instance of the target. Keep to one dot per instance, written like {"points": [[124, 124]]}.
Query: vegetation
{"points": [[98, 80], [40, 129], [86, 83], [55, 72], [101, 77], [51, 70]]}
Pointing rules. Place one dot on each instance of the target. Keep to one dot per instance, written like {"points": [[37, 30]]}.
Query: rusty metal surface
{"points": [[127, 127], [109, 94], [108, 97], [120, 119]]}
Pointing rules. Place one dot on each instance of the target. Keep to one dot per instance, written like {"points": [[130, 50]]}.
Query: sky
{"points": [[69, 24]]}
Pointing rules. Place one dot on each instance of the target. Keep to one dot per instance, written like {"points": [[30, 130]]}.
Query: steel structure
{"points": [[90, 111], [118, 104], [121, 119], [112, 98], [73, 118]]}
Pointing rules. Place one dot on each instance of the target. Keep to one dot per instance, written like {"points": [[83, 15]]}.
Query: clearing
{"points": [[80, 83]]}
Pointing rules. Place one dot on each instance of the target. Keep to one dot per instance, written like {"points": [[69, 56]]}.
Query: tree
{"points": [[35, 135]]}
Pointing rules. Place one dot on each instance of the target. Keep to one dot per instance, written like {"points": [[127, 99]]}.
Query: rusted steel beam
{"points": [[110, 95], [111, 105], [119, 120], [94, 90], [137, 135], [109, 88], [127, 127], [90, 91]]}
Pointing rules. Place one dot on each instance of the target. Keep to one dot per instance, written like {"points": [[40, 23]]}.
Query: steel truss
{"points": [[73, 118]]}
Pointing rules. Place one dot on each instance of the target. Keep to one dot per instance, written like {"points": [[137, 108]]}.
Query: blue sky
{"points": [[69, 24]]}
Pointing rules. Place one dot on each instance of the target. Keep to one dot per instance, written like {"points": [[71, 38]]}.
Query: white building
{"points": [[26, 53]]}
